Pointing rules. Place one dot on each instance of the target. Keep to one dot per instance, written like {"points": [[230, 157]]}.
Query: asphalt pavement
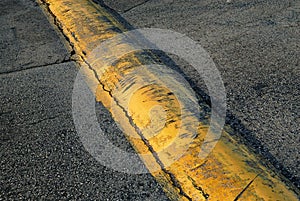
{"points": [[255, 45], [41, 155]]}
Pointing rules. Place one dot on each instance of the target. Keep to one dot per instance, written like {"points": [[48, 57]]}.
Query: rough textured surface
{"points": [[124, 6], [26, 40], [41, 155], [255, 45]]}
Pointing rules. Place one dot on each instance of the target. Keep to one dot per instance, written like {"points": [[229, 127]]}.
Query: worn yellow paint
{"points": [[230, 172]]}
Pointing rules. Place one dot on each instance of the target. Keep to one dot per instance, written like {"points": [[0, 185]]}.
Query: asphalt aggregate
{"points": [[255, 46], [41, 154]]}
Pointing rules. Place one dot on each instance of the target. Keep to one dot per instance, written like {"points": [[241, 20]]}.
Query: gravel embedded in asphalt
{"points": [[255, 45], [41, 154]]}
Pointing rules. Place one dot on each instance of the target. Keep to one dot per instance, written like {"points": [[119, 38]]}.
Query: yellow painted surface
{"points": [[230, 172]]}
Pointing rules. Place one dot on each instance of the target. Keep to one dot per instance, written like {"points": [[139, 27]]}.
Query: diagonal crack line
{"points": [[246, 187], [173, 179], [204, 194], [58, 25], [135, 6], [46, 119], [36, 66]]}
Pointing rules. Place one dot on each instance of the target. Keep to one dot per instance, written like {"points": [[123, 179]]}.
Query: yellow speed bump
{"points": [[230, 172]]}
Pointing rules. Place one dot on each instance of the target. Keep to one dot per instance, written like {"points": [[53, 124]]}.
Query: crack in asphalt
{"points": [[173, 179], [67, 58], [36, 66], [135, 6], [246, 187], [60, 28], [45, 119], [205, 195]]}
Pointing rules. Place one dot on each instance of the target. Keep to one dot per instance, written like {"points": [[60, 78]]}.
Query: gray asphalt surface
{"points": [[255, 45], [41, 155]]}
